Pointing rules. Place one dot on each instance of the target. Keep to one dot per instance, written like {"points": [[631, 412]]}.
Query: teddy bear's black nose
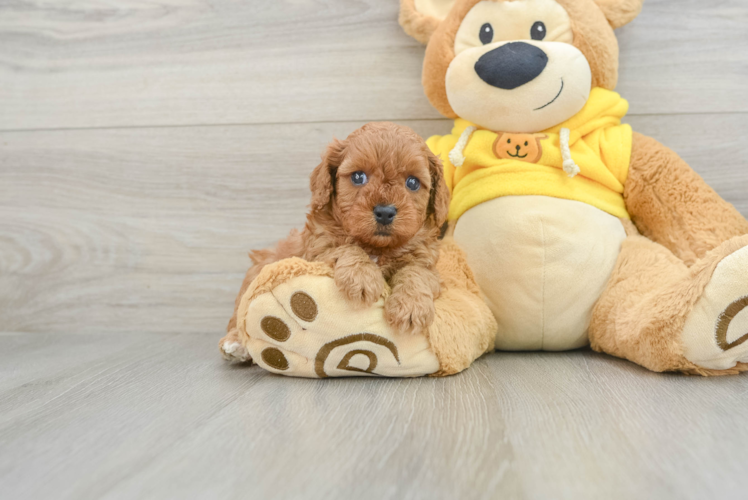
{"points": [[511, 65], [385, 214]]}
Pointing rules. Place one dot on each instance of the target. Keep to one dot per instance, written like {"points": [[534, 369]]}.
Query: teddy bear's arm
{"points": [[672, 205]]}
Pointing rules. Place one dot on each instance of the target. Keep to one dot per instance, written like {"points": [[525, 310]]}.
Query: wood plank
{"points": [[148, 229], [164, 62], [162, 416], [685, 57], [70, 361]]}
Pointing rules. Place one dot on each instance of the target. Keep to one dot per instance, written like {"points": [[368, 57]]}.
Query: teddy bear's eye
{"points": [[537, 32], [359, 178], [412, 183], [486, 33], [526, 143]]}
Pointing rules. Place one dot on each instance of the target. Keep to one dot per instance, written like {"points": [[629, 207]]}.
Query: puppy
{"points": [[379, 201]]}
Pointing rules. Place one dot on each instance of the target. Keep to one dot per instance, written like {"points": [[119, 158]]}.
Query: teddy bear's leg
{"points": [[464, 327], [677, 298], [293, 320], [672, 205], [715, 333], [666, 316]]}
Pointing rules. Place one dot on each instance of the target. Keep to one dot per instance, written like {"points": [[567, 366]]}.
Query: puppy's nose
{"points": [[511, 65], [385, 214]]}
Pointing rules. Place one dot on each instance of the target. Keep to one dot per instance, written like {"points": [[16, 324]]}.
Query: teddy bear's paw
{"points": [[715, 335], [306, 327]]}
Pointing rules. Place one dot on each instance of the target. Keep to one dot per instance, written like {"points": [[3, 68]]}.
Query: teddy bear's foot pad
{"points": [[305, 327], [715, 335]]}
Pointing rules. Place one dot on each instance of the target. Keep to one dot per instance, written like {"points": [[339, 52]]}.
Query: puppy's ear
{"points": [[439, 198], [322, 180]]}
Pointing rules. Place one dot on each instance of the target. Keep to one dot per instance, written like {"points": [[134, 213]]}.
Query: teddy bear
{"points": [[567, 228]]}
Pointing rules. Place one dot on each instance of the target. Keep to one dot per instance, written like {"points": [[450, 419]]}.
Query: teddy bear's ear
{"points": [[620, 12], [420, 18]]}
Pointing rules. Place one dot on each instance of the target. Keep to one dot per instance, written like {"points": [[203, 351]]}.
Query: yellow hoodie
{"points": [[504, 164]]}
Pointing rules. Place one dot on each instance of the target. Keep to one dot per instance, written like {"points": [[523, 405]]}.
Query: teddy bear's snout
{"points": [[511, 65]]}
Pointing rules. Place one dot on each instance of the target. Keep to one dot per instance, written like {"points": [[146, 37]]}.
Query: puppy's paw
{"points": [[408, 312], [232, 349], [362, 284]]}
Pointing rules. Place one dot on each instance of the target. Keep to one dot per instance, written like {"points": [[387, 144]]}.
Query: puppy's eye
{"points": [[412, 183], [537, 32], [359, 178], [486, 33]]}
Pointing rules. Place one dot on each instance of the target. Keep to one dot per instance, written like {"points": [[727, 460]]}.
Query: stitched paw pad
{"points": [[306, 327], [716, 332]]}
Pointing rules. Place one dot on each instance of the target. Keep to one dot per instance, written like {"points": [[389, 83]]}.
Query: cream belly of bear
{"points": [[542, 264]]}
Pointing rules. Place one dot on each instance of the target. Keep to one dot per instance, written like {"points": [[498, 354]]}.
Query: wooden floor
{"points": [[145, 146]]}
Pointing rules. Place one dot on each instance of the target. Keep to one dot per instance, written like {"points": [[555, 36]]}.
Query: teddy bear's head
{"points": [[516, 65]]}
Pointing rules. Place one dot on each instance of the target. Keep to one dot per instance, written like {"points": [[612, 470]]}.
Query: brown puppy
{"points": [[378, 203]]}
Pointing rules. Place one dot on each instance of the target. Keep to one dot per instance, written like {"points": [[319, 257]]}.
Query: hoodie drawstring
{"points": [[570, 167], [456, 156]]}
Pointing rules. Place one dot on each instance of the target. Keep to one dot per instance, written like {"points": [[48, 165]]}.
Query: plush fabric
{"points": [[464, 328], [518, 239], [293, 320], [718, 299], [304, 327], [672, 205], [596, 39], [497, 63], [543, 264], [620, 12], [419, 26], [599, 144], [439, 54], [593, 36], [650, 296]]}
